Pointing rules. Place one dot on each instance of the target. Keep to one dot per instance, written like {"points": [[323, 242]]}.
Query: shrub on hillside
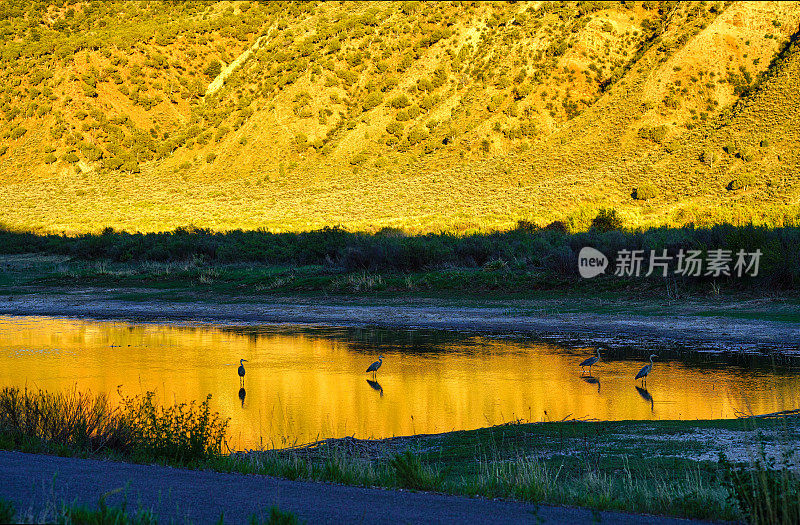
{"points": [[213, 69], [730, 148], [113, 163], [130, 165], [646, 191], [656, 134], [708, 157], [527, 226], [301, 141], [521, 91], [394, 128], [742, 181], [557, 226], [400, 102], [389, 83], [746, 154], [496, 102], [607, 220], [428, 102], [416, 136], [349, 77], [372, 100]]}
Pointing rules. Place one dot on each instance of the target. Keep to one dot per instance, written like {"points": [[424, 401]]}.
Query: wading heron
{"points": [[376, 365], [241, 370], [589, 362], [646, 370]]}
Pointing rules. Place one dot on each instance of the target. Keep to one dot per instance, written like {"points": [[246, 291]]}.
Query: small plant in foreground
{"points": [[7, 512], [766, 494], [276, 517], [410, 472], [181, 432], [105, 514], [74, 419]]}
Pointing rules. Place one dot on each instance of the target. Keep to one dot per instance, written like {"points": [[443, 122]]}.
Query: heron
{"points": [[646, 370], [589, 362], [241, 370], [376, 365]]}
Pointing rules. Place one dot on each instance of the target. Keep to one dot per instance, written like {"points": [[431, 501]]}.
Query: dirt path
{"points": [[678, 328], [37, 482]]}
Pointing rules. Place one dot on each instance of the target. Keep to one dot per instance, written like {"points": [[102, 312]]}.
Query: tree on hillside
{"points": [[607, 220]]}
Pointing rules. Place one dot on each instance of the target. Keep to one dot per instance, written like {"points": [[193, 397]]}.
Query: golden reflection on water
{"points": [[304, 385]]}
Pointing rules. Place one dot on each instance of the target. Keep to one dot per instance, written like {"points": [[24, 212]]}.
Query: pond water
{"points": [[307, 383]]}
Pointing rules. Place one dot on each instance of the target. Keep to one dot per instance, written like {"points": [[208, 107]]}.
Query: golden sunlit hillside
{"points": [[423, 116]]}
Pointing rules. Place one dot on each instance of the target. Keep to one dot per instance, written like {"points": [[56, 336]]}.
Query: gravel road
{"points": [[34, 482]]}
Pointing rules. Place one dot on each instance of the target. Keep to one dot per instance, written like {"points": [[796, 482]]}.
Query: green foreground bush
{"points": [[138, 427]]}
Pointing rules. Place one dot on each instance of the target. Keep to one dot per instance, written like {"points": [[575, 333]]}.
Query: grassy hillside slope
{"points": [[149, 116]]}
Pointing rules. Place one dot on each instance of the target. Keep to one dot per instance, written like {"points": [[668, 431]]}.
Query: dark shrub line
{"points": [[524, 249]]}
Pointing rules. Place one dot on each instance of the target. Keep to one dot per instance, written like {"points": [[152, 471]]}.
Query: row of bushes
{"points": [[527, 248]]}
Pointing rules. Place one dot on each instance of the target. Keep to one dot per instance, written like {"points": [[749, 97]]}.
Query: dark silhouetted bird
{"points": [[241, 370], [590, 361], [376, 365], [645, 371]]}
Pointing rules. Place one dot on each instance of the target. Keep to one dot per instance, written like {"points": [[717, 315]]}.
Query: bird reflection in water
{"points": [[375, 386], [645, 395], [592, 381], [242, 394]]}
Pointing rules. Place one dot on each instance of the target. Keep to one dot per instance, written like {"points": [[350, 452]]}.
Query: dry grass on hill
{"points": [[412, 115]]}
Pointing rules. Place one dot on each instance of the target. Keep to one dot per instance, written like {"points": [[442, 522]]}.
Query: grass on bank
{"points": [[634, 466], [639, 466]]}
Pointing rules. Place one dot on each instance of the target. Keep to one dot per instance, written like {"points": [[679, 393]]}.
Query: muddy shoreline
{"points": [[675, 330]]}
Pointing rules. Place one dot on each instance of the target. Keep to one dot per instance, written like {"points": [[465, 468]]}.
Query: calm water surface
{"points": [[304, 384]]}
